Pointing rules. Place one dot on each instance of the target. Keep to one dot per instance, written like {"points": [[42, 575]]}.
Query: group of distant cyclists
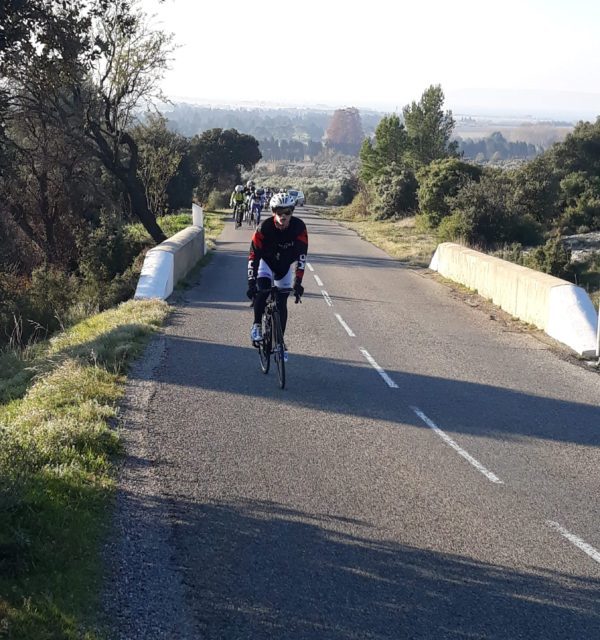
{"points": [[248, 203], [278, 243]]}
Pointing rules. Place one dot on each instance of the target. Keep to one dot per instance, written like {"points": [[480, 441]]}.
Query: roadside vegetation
{"points": [[413, 190], [59, 433], [399, 238]]}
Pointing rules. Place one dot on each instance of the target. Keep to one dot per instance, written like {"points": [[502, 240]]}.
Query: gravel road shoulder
{"points": [[143, 596]]}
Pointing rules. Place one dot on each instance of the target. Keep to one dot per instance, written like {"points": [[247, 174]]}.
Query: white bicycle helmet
{"points": [[250, 183], [282, 201], [239, 188]]}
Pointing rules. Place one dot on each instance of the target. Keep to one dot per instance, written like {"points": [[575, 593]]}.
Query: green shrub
{"points": [[395, 193], [485, 213], [316, 195], [430, 220], [51, 294], [455, 228], [511, 253], [107, 254], [36, 307], [587, 275], [554, 258], [348, 189], [218, 200], [360, 206], [439, 181]]}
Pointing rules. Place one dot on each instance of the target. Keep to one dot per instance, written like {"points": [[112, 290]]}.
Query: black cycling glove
{"points": [[298, 290], [251, 293]]}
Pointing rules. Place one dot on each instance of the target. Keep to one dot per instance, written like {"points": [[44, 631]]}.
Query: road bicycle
{"points": [[272, 341], [238, 212], [254, 217]]}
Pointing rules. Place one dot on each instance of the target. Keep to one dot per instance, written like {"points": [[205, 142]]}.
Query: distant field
{"points": [[540, 134]]}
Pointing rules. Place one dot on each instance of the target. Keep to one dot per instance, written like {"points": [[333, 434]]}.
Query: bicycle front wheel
{"points": [[264, 348], [278, 350]]}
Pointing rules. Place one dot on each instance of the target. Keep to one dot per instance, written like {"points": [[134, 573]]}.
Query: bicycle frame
{"points": [[272, 342]]}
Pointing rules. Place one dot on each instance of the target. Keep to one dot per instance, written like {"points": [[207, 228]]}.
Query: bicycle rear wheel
{"points": [[264, 347], [278, 350]]}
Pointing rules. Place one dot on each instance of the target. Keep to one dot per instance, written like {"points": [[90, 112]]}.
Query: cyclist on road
{"points": [[237, 199], [256, 206], [277, 244], [249, 190], [248, 193]]}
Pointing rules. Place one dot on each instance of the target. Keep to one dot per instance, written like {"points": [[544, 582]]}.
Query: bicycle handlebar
{"points": [[275, 289]]}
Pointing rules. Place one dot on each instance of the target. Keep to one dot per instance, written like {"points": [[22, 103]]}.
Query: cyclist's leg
{"points": [[263, 286], [264, 282], [282, 298]]}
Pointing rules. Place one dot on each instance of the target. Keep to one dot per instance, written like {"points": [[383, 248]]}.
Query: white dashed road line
{"points": [[346, 327], [390, 383], [578, 542], [573, 539], [468, 457]]}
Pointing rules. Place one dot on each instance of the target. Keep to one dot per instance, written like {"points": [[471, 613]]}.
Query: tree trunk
{"points": [[128, 176], [139, 208]]}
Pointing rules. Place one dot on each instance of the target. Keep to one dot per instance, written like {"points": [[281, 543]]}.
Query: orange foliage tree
{"points": [[345, 132]]}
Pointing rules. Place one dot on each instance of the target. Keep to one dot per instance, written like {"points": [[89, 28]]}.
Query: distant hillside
{"points": [[294, 134], [304, 125]]}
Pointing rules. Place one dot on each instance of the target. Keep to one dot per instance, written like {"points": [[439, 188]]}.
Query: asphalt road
{"points": [[428, 472]]}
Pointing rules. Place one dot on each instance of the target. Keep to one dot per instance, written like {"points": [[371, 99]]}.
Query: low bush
{"points": [[316, 195], [218, 200], [554, 257], [360, 207], [348, 189]]}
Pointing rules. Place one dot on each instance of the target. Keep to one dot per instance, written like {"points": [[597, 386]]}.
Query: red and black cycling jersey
{"points": [[279, 248]]}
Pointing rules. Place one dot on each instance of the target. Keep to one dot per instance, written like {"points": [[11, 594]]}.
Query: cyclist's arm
{"points": [[301, 246], [256, 253]]}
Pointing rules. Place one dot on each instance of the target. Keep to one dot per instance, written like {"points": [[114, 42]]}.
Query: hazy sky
{"points": [[324, 52]]}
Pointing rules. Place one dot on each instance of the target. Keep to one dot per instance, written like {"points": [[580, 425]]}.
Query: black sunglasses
{"points": [[284, 211]]}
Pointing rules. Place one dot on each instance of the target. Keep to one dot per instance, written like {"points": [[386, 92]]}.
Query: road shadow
{"points": [[255, 569], [337, 386]]}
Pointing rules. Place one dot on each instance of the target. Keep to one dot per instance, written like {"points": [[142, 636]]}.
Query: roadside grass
{"points": [[58, 439], [171, 224], [398, 238], [55, 469]]}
